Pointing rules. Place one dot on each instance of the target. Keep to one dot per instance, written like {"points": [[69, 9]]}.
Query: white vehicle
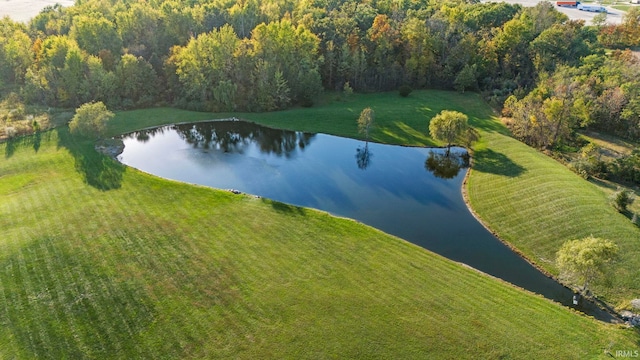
{"points": [[592, 8]]}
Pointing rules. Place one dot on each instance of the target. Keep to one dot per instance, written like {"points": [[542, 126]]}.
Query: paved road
{"points": [[24, 10], [614, 16]]}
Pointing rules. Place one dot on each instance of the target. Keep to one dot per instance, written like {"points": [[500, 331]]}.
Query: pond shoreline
{"points": [[606, 313], [465, 196], [529, 277]]}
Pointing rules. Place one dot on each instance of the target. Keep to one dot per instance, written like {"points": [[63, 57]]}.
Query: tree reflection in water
{"points": [[363, 156], [236, 137], [446, 165], [144, 136]]}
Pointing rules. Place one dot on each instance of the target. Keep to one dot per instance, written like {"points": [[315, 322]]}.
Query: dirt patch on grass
{"points": [[613, 146]]}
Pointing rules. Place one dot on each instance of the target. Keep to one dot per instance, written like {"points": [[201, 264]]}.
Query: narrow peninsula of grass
{"points": [[103, 261]]}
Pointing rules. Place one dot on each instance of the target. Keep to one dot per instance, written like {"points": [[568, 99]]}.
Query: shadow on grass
{"points": [[604, 183], [399, 132], [629, 215], [613, 185], [97, 170], [488, 124], [12, 144], [472, 104], [284, 208], [10, 148], [493, 162], [37, 140]]}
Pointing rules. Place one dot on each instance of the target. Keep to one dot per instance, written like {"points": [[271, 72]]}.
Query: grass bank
{"points": [[102, 261], [402, 121], [536, 204], [527, 198]]}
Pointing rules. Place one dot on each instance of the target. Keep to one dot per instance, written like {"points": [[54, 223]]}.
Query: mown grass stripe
{"points": [[194, 272]]}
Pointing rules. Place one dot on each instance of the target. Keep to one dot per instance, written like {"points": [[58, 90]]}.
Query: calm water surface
{"points": [[413, 193]]}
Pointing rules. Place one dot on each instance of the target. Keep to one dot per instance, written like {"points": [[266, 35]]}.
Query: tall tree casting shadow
{"points": [[97, 170], [493, 162]]}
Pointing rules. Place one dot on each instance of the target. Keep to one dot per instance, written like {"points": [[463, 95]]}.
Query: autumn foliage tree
{"points": [[585, 260], [623, 35], [90, 120], [262, 55]]}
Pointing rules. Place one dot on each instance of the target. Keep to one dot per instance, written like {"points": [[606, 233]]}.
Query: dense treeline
{"points": [[267, 55], [602, 93], [249, 55]]}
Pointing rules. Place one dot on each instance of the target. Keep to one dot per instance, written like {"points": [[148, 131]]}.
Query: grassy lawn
{"points": [[536, 204], [398, 120], [529, 199], [102, 261], [622, 7]]}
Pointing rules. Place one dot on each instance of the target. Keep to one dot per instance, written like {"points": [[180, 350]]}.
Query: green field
{"points": [[622, 7], [102, 261], [536, 204], [398, 120], [529, 199]]}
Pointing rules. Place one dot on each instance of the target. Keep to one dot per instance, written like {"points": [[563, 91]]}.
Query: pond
{"points": [[413, 193]]}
